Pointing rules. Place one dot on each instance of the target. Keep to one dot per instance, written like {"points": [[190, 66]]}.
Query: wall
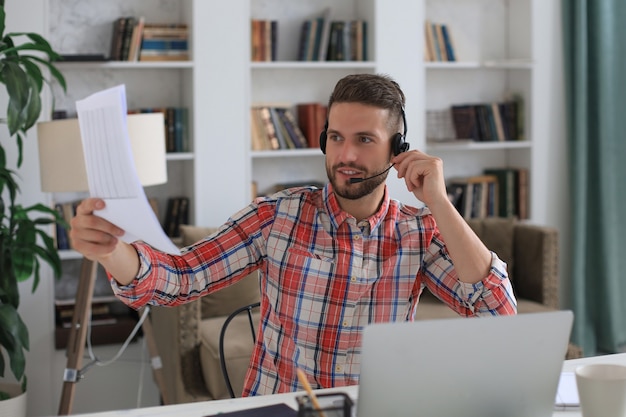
{"points": [[29, 15]]}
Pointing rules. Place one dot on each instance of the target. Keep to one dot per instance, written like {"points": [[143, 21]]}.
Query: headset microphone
{"points": [[357, 180]]}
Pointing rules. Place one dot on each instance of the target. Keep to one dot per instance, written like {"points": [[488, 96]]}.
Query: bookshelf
{"points": [[498, 52]]}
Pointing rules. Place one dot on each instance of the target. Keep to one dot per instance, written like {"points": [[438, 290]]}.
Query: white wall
{"points": [[36, 309]]}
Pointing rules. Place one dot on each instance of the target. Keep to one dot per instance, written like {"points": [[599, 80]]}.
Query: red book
{"points": [[311, 120]]}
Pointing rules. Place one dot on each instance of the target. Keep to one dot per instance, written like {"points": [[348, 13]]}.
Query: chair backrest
{"points": [[248, 309]]}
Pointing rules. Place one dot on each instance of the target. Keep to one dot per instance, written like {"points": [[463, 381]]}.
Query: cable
{"points": [[95, 360]]}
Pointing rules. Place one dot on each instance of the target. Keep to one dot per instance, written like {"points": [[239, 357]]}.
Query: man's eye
{"points": [[334, 137], [365, 139]]}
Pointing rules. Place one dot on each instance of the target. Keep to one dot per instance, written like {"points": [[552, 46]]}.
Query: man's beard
{"points": [[354, 191]]}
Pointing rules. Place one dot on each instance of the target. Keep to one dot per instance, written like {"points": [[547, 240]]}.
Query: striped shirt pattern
{"points": [[323, 278]]}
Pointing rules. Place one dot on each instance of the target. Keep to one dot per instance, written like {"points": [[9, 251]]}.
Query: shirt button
{"points": [[353, 278], [357, 237], [338, 368], [345, 324]]}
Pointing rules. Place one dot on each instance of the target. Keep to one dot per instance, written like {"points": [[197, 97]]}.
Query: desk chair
{"points": [[250, 322]]}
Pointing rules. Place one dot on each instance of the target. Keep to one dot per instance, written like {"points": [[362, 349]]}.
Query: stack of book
{"points": [[486, 122], [474, 196], [164, 42], [498, 192], [324, 39], [274, 128], [439, 44], [135, 40], [264, 35]]}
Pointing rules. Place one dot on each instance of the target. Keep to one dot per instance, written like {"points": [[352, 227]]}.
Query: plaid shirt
{"points": [[324, 277]]}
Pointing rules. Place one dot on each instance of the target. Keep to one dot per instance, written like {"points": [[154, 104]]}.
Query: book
{"points": [[177, 213], [447, 42], [62, 237], [429, 42], [269, 127], [322, 51], [297, 137], [506, 189], [464, 121], [522, 193], [135, 41], [311, 120], [117, 38], [129, 27]]}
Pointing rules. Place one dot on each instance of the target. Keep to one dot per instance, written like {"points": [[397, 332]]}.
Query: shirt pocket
{"points": [[303, 285]]}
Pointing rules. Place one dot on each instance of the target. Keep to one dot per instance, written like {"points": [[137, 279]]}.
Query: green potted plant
{"points": [[24, 242]]}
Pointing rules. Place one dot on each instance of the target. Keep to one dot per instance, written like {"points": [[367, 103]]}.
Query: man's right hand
{"points": [[99, 240], [91, 235]]}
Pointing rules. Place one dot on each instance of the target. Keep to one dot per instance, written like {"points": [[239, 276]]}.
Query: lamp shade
{"points": [[62, 162]]}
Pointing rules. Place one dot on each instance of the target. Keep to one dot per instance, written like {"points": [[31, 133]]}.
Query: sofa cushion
{"points": [[238, 346], [497, 234], [227, 300]]}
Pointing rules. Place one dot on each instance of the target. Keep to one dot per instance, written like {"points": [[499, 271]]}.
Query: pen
{"points": [[309, 390]]}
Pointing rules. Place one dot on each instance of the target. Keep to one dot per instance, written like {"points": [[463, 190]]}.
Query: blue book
{"points": [[447, 39]]}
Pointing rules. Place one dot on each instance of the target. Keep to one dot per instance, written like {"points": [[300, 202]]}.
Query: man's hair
{"points": [[376, 90]]}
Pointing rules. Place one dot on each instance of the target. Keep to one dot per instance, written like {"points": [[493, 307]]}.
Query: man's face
{"points": [[357, 146]]}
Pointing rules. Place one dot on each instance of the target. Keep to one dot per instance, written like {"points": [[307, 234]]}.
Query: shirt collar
{"points": [[338, 216]]}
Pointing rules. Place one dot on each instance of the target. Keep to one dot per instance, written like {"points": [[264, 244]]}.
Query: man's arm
{"points": [[423, 175], [98, 239]]}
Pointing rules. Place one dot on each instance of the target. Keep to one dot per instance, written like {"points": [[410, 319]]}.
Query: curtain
{"points": [[595, 68]]}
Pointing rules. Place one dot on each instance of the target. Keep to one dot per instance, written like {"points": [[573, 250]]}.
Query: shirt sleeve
{"points": [[493, 295], [219, 260]]}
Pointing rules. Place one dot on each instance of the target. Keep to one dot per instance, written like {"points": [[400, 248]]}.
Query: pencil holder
{"points": [[332, 405]]}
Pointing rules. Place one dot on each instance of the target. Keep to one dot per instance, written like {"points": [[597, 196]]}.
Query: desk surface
{"points": [[200, 409]]}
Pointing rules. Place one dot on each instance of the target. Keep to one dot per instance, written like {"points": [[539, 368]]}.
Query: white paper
{"points": [[567, 392], [111, 171]]}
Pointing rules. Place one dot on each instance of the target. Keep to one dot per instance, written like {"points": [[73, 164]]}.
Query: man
{"points": [[331, 261]]}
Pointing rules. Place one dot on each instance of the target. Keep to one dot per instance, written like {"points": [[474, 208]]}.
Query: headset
{"points": [[398, 140]]}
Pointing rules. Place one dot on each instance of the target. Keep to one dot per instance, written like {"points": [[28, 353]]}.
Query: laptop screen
{"points": [[470, 367]]}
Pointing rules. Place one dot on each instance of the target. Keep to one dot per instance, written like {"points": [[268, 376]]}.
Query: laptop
{"points": [[502, 366]]}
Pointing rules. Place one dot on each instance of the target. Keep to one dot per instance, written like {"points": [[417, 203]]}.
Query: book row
{"points": [[439, 45], [176, 213], [498, 192], [176, 126], [134, 40], [263, 34], [485, 122], [275, 127], [338, 40]]}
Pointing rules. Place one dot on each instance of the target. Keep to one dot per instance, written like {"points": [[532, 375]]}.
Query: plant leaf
{"points": [[2, 20], [33, 108], [14, 336], [16, 82], [53, 70]]}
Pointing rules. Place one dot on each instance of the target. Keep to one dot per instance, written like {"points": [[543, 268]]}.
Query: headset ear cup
{"points": [[323, 141], [398, 144]]}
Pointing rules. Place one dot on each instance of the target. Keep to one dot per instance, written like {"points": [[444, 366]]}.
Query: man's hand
{"points": [[93, 236], [423, 175], [98, 239]]}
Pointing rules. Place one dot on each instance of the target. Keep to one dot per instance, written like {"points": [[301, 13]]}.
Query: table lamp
{"points": [[62, 168]]}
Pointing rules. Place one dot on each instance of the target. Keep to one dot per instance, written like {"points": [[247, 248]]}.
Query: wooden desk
{"points": [[201, 409]]}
